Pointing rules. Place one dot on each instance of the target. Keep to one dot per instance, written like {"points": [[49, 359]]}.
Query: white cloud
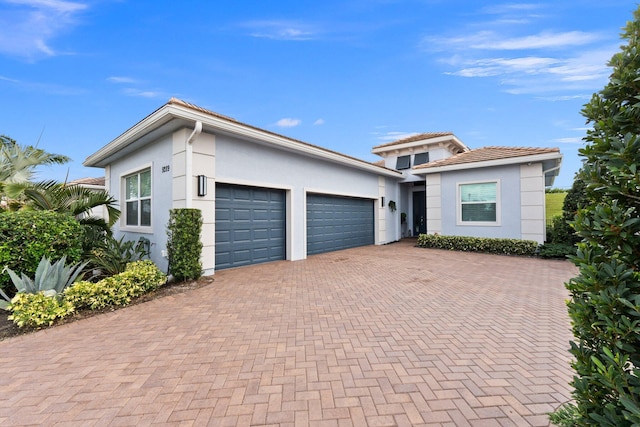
{"points": [[27, 27], [573, 140], [318, 122], [393, 136], [145, 93], [280, 30], [121, 80], [288, 122]]}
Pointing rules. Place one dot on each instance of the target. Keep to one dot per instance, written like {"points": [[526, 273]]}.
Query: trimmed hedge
{"points": [[27, 236], [38, 310], [479, 244], [139, 278], [184, 246]]}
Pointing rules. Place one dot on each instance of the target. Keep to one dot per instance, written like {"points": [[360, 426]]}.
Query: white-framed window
{"points": [[479, 203], [137, 192]]}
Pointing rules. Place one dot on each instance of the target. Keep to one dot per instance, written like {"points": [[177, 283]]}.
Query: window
{"points": [[403, 162], [420, 158], [138, 199], [479, 202]]}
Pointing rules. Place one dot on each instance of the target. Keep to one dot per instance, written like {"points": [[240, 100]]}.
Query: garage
{"points": [[335, 223], [250, 225]]}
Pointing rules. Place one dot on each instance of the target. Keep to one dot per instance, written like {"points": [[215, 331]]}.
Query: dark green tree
{"points": [[605, 296]]}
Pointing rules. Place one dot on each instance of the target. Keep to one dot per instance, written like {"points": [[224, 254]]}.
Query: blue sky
{"points": [[345, 75]]}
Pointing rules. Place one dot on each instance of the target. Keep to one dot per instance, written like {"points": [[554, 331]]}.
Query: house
{"points": [[266, 197]]}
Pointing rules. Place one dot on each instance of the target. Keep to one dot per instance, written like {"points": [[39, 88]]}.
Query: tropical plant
{"points": [[605, 296], [111, 255], [73, 199], [50, 279], [18, 163], [37, 310]]}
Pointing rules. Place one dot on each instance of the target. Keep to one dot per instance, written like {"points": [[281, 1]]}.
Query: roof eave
{"points": [[170, 112], [429, 141], [490, 163]]}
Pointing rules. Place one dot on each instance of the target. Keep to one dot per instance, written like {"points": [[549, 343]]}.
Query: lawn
{"points": [[554, 203]]}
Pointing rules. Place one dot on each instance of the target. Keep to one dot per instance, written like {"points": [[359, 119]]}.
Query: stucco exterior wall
{"points": [[508, 178], [247, 163], [156, 156]]}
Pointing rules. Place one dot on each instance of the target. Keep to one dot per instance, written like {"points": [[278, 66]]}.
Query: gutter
{"points": [[197, 130]]}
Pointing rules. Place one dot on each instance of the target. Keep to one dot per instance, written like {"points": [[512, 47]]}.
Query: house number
{"points": [[166, 168]]}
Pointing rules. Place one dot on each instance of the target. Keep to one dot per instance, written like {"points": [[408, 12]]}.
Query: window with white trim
{"points": [[478, 202], [137, 189]]}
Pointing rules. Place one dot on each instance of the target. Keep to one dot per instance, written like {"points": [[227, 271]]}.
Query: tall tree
{"points": [[605, 296]]}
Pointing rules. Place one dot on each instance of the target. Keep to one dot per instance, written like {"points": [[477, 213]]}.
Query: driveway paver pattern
{"points": [[376, 336]]}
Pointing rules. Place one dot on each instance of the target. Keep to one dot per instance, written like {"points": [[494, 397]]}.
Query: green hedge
{"points": [[27, 236], [139, 278], [479, 244], [184, 246]]}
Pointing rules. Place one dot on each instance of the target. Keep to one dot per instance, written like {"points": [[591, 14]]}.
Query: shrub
{"points": [[556, 250], [111, 255], [184, 246], [139, 278], [479, 244], [27, 236], [38, 310]]}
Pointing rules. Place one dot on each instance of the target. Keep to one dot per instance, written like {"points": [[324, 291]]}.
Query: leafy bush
{"points": [[27, 236], [479, 244], [605, 296], [184, 246], [139, 278], [38, 310], [556, 250], [111, 255]]}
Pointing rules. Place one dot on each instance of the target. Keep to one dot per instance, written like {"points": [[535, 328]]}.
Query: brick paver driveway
{"points": [[378, 336]]}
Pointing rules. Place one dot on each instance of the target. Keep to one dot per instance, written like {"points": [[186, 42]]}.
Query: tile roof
{"points": [[419, 137], [89, 181], [487, 154]]}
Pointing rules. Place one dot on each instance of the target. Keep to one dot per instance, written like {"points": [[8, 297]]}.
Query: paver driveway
{"points": [[378, 336]]}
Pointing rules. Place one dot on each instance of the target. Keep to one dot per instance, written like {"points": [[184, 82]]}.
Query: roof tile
{"points": [[487, 154]]}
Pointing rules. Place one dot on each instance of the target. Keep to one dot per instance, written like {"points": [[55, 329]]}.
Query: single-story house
{"points": [[265, 196]]}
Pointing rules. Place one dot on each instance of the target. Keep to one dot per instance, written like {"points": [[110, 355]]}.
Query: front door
{"points": [[419, 212]]}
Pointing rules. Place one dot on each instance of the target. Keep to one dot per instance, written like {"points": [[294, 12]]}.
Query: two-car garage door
{"points": [[251, 224]]}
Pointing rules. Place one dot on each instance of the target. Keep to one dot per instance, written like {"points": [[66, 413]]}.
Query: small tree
{"points": [[184, 245], [605, 296]]}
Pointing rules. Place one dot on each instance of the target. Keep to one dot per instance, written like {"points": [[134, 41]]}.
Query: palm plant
{"points": [[18, 163], [74, 200]]}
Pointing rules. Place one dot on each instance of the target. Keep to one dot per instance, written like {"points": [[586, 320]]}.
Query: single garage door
{"points": [[250, 225], [335, 223]]}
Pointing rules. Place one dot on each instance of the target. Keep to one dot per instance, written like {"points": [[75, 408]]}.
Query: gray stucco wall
{"points": [[243, 162], [509, 189], [156, 156]]}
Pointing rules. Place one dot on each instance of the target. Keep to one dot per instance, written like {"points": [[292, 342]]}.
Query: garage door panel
{"points": [[250, 227], [335, 223]]}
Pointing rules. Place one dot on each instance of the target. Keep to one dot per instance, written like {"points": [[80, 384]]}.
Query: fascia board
{"points": [[490, 163]]}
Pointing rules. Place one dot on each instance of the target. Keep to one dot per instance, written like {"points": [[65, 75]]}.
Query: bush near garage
{"points": [[479, 244], [184, 246], [27, 236], [139, 278]]}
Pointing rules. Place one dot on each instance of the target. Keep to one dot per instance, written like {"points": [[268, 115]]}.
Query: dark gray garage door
{"points": [[250, 225], [335, 223]]}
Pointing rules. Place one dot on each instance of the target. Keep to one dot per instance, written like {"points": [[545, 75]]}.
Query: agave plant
{"points": [[51, 279]]}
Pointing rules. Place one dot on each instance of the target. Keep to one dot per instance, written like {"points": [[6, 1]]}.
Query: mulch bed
{"points": [[9, 329]]}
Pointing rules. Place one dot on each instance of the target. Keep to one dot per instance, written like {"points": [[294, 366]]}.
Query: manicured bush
{"points": [[139, 278], [605, 296], [184, 246], [479, 244], [38, 310], [556, 250], [27, 236]]}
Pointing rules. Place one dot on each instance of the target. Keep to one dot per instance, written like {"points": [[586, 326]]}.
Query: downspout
{"points": [[197, 130]]}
